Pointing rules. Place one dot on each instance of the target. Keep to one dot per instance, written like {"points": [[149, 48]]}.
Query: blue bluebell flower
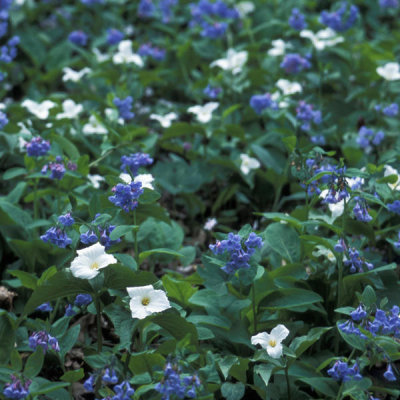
{"points": [[297, 20], [389, 375], [356, 262], [146, 9], [16, 389], [359, 313], [340, 20], [9, 51], [114, 36], [110, 376], [124, 107], [89, 383], [260, 102], [83, 299], [66, 219], [294, 63], [57, 168], [37, 147], [56, 236], [343, 373], [45, 307], [360, 211], [391, 110], [306, 114], [368, 137], [123, 391], [44, 340], [147, 50], [394, 207], [134, 161], [388, 3], [126, 196], [3, 120], [69, 311], [79, 38], [90, 236], [212, 92]]}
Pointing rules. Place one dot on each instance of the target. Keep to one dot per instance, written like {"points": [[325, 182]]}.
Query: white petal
{"points": [[279, 333], [139, 291], [261, 338], [276, 351]]}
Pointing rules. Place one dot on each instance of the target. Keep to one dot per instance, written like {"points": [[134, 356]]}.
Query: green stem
{"points": [[280, 185], [54, 312], [35, 202], [254, 308], [99, 332], [135, 239], [58, 197], [287, 381]]}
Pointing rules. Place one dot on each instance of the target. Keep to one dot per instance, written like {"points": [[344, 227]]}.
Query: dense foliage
{"points": [[200, 199]]}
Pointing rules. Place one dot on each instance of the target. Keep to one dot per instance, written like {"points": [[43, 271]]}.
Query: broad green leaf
{"points": [[73, 376], [27, 279], [325, 386], [144, 254], [301, 343], [232, 391], [7, 337], [265, 371], [34, 363], [181, 291], [122, 230], [288, 298], [119, 277]]}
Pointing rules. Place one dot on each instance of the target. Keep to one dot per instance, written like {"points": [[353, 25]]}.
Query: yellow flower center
{"points": [[272, 343], [145, 301], [95, 265]]}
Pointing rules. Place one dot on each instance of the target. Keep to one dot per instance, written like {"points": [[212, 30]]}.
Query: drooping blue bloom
{"points": [[37, 147], [340, 246], [349, 328], [260, 102], [359, 313], [3, 120], [238, 257], [147, 50], [340, 20], [294, 63], [389, 375], [114, 36], [16, 389], [391, 110], [124, 107], [9, 51], [306, 114], [342, 372], [83, 299], [123, 391], [126, 196], [57, 169], [388, 3], [297, 20], [318, 139], [90, 236], [146, 9], [44, 340], [212, 92], [45, 307], [66, 219], [368, 137], [166, 9], [360, 211], [385, 323], [89, 383], [134, 161], [394, 207], [69, 311], [79, 38], [56, 236], [92, 2], [215, 30], [356, 262], [110, 376]]}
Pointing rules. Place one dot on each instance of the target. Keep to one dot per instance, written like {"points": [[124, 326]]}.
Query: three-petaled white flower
{"points": [[278, 48], [41, 110], [145, 179], [164, 120], [324, 38], [70, 109], [125, 54], [389, 170], [204, 113], [90, 260], [101, 57], [272, 342], [145, 300], [248, 163], [288, 88], [210, 224], [233, 62], [335, 208], [244, 8], [93, 127], [390, 71], [74, 76], [95, 180]]}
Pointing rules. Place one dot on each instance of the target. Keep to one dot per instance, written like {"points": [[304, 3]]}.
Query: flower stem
{"points": [[54, 312], [135, 239], [99, 332], [287, 381], [254, 308], [35, 202]]}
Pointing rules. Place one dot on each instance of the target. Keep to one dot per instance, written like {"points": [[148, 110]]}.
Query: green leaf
{"points": [[265, 371], [122, 230], [284, 240], [43, 386], [276, 216], [368, 296], [67, 146], [73, 376], [144, 254], [119, 277], [181, 291], [300, 344], [34, 363], [127, 261], [27, 280], [13, 173], [326, 386], [68, 340], [141, 363], [7, 337], [289, 297], [232, 391], [16, 360], [149, 196]]}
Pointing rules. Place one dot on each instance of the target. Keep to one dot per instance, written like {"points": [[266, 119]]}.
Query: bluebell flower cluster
{"points": [[17, 389], [37, 147], [148, 50], [89, 383], [66, 219], [294, 63], [360, 211], [4, 15], [385, 323], [114, 36], [391, 110], [368, 137], [359, 313], [340, 20], [44, 340], [163, 9], [69, 311], [45, 307], [318, 139], [126, 196], [9, 51], [297, 20], [212, 92], [213, 18], [83, 299], [388, 3], [56, 236], [173, 384], [79, 38], [394, 207], [123, 391], [238, 256], [124, 107], [110, 376], [90, 237], [306, 114], [146, 8], [56, 168], [134, 161], [342, 372], [349, 328], [356, 262], [260, 102], [92, 2]]}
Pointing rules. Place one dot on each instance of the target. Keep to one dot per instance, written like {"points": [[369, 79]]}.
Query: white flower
{"points": [[209, 225], [125, 54], [113, 115], [74, 76], [90, 260], [278, 48], [233, 62], [95, 180], [204, 113], [71, 109], [324, 38], [272, 342], [355, 183], [276, 96], [100, 57], [323, 251], [94, 126], [126, 178], [146, 180], [391, 171], [248, 163], [164, 120], [390, 71], [288, 87], [41, 110], [244, 8], [337, 208], [145, 300]]}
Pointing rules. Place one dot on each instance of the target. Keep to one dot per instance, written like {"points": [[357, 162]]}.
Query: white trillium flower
{"points": [[272, 342], [146, 180], [93, 127], [90, 260], [95, 180], [74, 76], [210, 224], [244, 8], [100, 57], [204, 113], [248, 163], [389, 170], [323, 251], [324, 38], [278, 48], [113, 115], [336, 208], [71, 109], [233, 62], [125, 54], [288, 88], [145, 300], [390, 71], [41, 110], [164, 120], [276, 96]]}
